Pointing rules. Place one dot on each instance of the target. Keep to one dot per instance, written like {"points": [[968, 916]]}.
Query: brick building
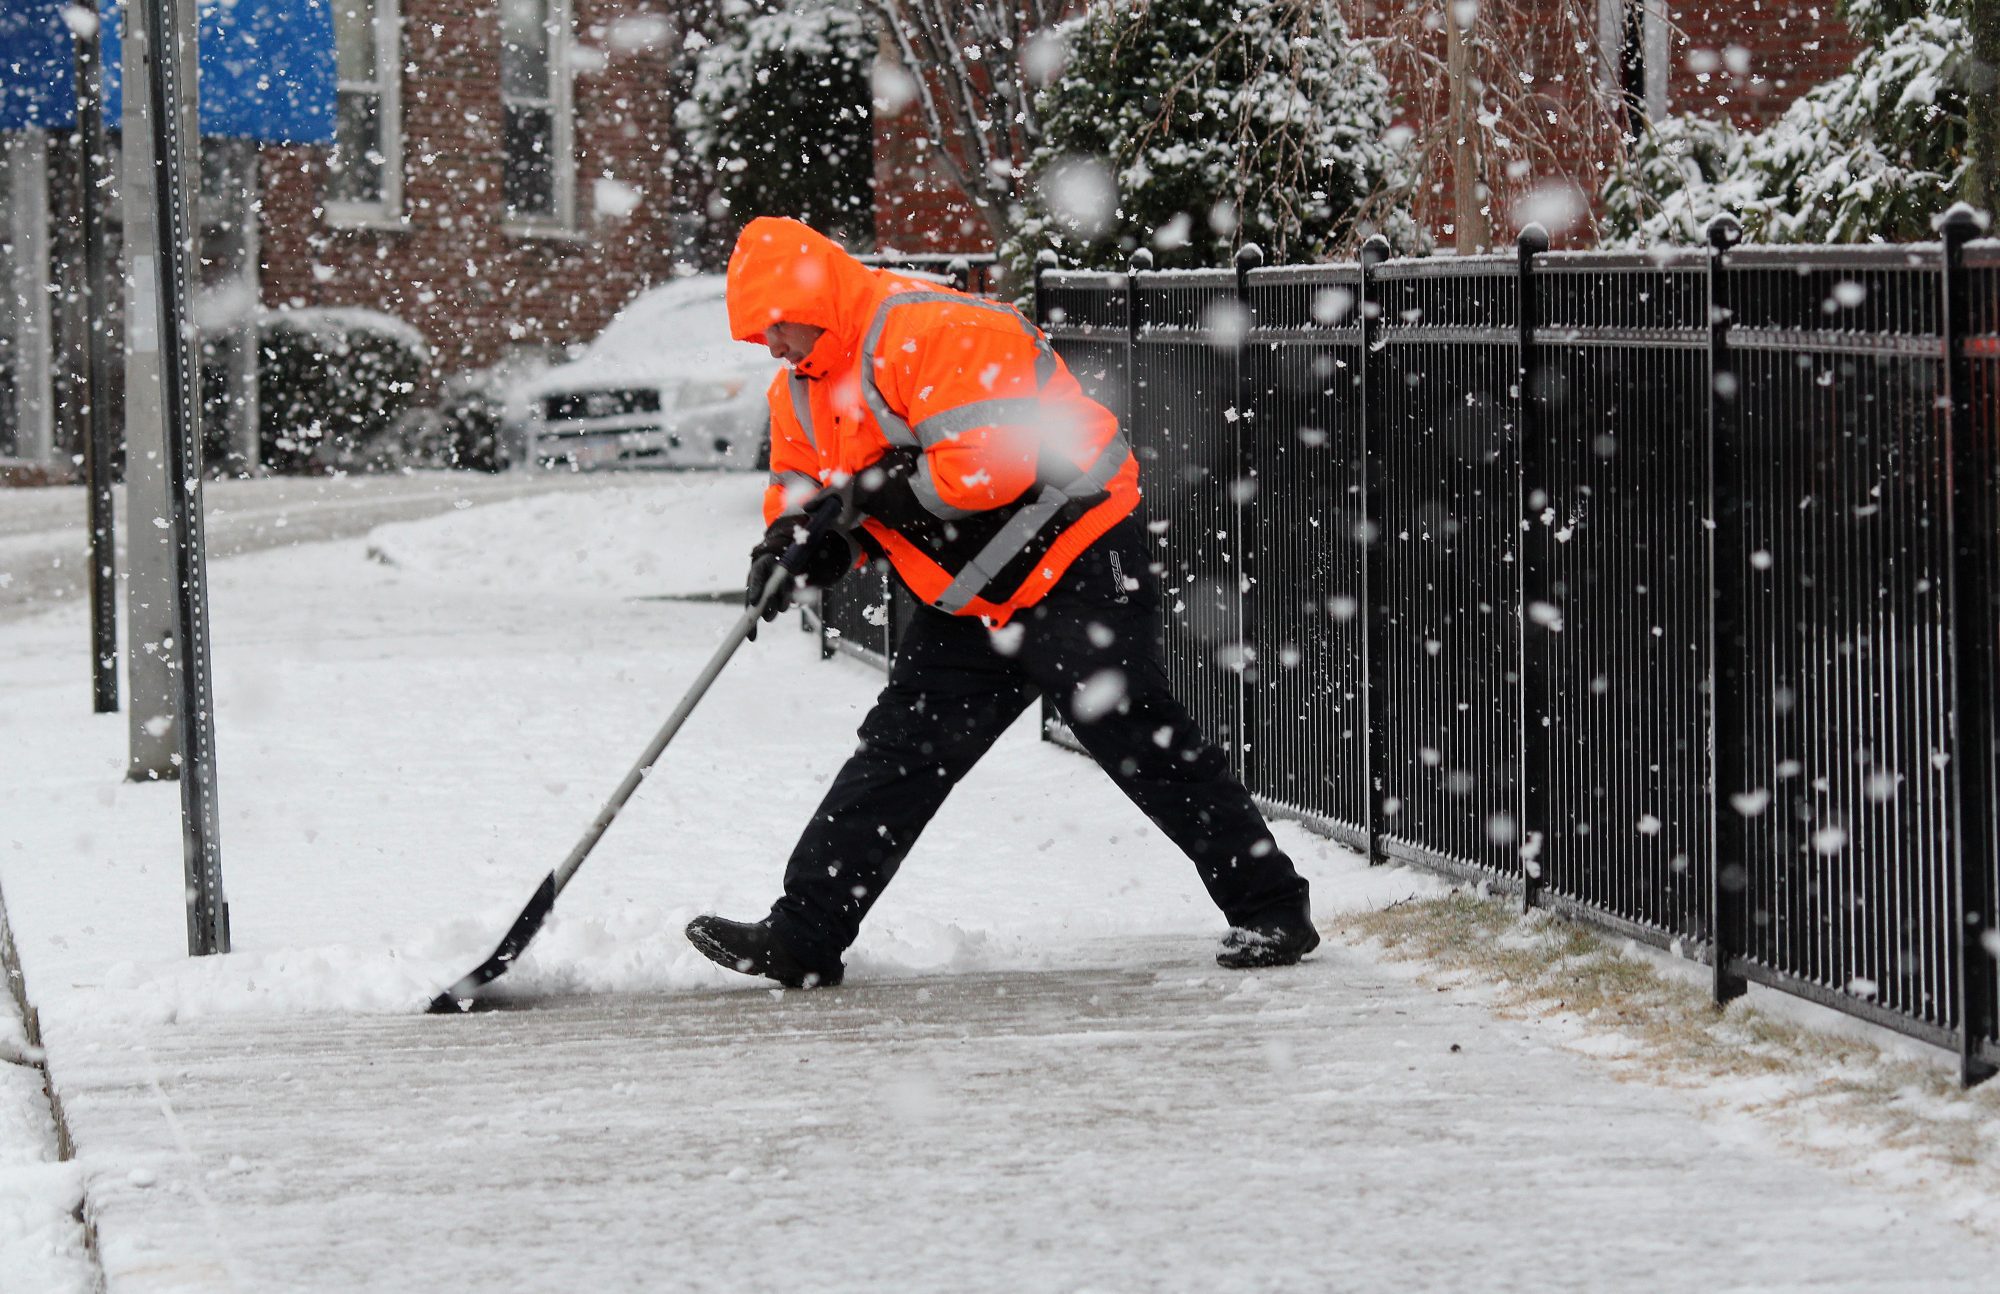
{"points": [[502, 176]]}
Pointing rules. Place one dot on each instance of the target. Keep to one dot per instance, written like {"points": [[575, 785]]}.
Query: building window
{"points": [[539, 173], [365, 169]]}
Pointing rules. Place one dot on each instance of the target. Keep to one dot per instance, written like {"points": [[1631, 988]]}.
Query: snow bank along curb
{"points": [[17, 987], [1814, 1082]]}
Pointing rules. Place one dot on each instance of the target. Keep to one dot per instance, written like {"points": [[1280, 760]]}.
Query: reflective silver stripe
{"points": [[1024, 525], [789, 481], [894, 429], [899, 433], [1001, 549], [924, 486], [950, 424], [802, 408], [1116, 452]]}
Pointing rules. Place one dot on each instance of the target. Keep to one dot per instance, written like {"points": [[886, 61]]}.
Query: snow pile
{"points": [[41, 1245], [680, 535], [333, 327]]}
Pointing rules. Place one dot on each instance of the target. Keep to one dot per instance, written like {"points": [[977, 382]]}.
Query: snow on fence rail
{"points": [[1656, 588]]}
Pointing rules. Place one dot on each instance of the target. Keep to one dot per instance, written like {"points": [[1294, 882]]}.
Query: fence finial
{"points": [[1963, 213], [1046, 259], [1724, 232], [1142, 260], [1376, 250], [1533, 239], [1248, 257]]}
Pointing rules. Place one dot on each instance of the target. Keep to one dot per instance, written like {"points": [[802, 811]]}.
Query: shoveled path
{"points": [[1146, 1123]]}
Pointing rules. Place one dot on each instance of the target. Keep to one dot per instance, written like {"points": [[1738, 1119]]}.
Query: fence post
{"points": [[1142, 261], [1373, 573], [1248, 257], [1969, 532], [1729, 878], [1045, 260], [1531, 497]]}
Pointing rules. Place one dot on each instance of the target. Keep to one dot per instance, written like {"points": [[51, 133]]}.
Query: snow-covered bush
{"points": [[1873, 153], [1194, 126], [779, 120], [330, 382]]}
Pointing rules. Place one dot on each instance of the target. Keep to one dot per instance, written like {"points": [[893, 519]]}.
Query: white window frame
{"points": [[561, 108], [1656, 50], [388, 89]]}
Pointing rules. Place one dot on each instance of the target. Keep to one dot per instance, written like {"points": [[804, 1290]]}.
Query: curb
{"points": [[31, 1024]]}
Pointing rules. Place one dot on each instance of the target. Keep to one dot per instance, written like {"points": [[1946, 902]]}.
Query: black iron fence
{"points": [[1658, 588]]}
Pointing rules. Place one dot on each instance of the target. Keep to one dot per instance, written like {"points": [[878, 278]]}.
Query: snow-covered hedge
{"points": [[1193, 126], [330, 381], [1871, 154], [779, 119]]}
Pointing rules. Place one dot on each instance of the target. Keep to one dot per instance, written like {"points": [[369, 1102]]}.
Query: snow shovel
{"points": [[458, 998]]}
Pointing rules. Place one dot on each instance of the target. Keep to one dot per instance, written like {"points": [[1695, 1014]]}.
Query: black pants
{"points": [[1090, 645]]}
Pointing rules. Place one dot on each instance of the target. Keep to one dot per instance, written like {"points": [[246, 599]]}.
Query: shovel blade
{"points": [[458, 998]]}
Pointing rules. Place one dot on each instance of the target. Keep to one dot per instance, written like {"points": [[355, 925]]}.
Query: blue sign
{"points": [[267, 70], [37, 66]]}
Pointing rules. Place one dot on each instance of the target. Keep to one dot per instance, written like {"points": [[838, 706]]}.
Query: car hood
{"points": [[663, 337], [668, 371]]}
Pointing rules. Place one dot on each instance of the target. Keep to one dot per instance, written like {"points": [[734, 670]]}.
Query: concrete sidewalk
{"points": [[1147, 1123]]}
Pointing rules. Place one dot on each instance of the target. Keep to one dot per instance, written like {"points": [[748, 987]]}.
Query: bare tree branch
{"points": [[978, 112]]}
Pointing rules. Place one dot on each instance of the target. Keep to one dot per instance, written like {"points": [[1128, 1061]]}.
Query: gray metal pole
{"points": [[171, 96], [98, 446], [150, 629]]}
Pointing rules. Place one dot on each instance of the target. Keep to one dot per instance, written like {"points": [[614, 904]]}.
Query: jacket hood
{"points": [[784, 270]]}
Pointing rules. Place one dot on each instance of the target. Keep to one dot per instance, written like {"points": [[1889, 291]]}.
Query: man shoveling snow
{"points": [[964, 451]]}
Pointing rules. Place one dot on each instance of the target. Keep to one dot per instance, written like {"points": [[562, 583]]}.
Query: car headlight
{"points": [[707, 391]]}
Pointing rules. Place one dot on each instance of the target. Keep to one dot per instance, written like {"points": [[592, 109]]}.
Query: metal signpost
{"points": [[161, 326], [268, 66], [149, 590], [92, 379]]}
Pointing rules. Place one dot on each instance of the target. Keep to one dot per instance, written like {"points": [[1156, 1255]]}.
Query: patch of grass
{"points": [[1842, 1098]]}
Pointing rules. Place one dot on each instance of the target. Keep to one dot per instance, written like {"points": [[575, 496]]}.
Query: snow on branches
{"points": [[779, 122], [1194, 126], [1872, 154]]}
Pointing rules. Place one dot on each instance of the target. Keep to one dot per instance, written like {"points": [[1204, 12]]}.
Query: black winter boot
{"points": [[753, 948], [1275, 942]]}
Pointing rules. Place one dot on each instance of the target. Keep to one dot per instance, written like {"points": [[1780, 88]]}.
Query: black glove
{"points": [[828, 560]]}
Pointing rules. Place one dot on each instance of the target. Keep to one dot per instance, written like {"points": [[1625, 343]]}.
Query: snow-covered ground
{"points": [[1035, 1078]]}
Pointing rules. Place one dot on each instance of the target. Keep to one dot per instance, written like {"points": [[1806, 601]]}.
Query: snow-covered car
{"points": [[662, 386]]}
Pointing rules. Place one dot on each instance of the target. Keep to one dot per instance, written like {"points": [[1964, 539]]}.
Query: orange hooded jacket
{"points": [[1018, 472]]}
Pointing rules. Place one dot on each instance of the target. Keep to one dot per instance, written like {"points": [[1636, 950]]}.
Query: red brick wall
{"points": [[918, 209], [473, 287], [1546, 42], [1767, 52]]}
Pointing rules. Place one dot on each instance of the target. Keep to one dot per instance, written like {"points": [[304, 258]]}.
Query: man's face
{"points": [[791, 342]]}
